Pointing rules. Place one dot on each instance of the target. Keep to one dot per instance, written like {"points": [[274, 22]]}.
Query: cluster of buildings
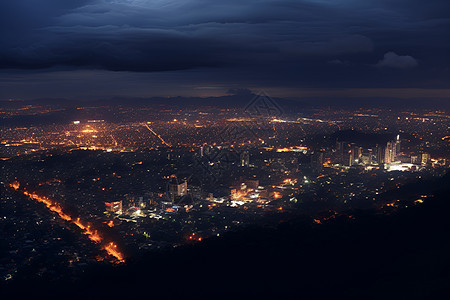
{"points": [[249, 190], [385, 156], [289, 163], [181, 196]]}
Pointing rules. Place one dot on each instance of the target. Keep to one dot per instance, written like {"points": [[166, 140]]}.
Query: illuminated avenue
{"points": [[93, 235]]}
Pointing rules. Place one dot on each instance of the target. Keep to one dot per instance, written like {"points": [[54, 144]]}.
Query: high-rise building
{"points": [[354, 154], [176, 188], [380, 151], [114, 206], [339, 152], [370, 156], [245, 159], [425, 159], [390, 152], [358, 152], [351, 157], [397, 147]]}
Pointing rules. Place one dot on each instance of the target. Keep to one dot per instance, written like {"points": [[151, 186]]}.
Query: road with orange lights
{"points": [[158, 136], [93, 235]]}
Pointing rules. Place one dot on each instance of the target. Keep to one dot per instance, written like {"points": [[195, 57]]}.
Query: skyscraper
{"points": [[390, 152], [355, 154], [245, 158], [380, 154], [352, 155], [370, 156], [397, 146], [425, 158], [176, 188]]}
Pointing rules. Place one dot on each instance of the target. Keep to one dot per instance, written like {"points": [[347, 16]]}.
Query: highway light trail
{"points": [[93, 235]]}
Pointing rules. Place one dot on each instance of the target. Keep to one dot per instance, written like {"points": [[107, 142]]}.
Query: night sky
{"points": [[83, 49]]}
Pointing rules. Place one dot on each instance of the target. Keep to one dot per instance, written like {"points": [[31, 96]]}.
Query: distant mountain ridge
{"points": [[287, 106], [241, 100]]}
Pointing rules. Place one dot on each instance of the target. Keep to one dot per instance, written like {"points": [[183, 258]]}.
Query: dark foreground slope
{"points": [[401, 255]]}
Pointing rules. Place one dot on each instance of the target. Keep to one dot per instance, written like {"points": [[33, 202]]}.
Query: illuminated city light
{"points": [[126, 162], [157, 135], [293, 149], [93, 235], [89, 130], [194, 237]]}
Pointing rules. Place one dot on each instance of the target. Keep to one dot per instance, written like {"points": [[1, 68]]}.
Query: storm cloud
{"points": [[264, 42]]}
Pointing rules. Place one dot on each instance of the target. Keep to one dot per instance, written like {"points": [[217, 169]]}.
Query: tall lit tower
{"points": [[389, 154], [176, 188], [397, 146], [245, 159], [380, 154]]}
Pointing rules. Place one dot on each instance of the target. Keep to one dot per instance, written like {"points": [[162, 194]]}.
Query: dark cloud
{"points": [[393, 60], [251, 42], [157, 35]]}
